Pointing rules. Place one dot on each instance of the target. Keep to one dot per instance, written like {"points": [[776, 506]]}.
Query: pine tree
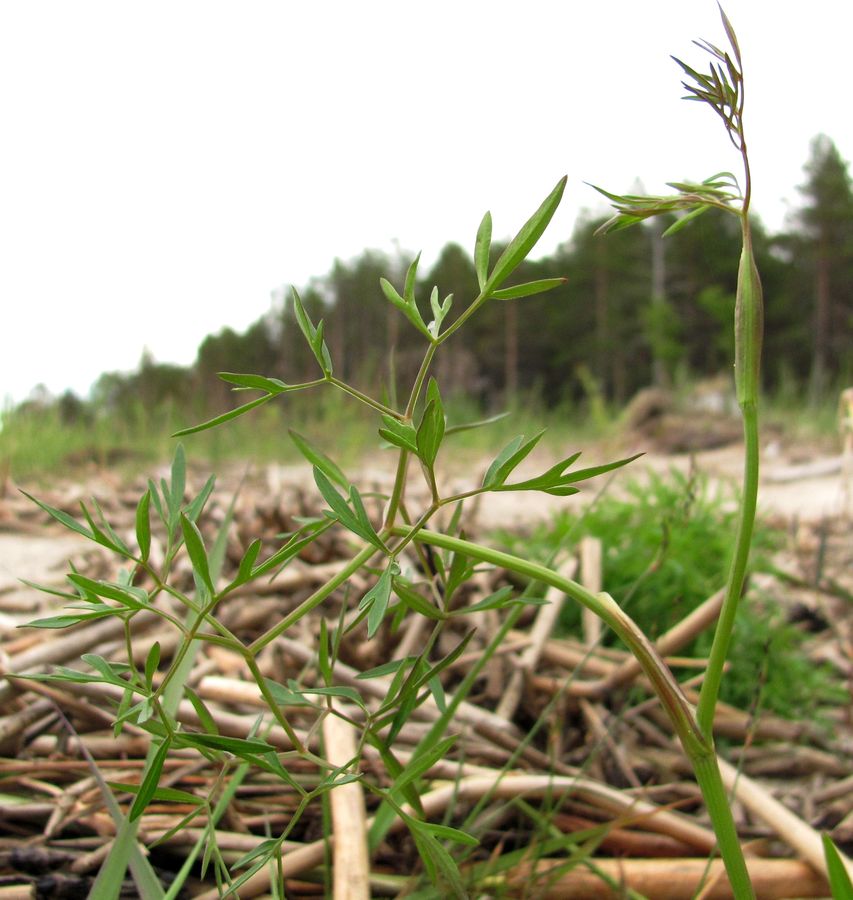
{"points": [[827, 224]]}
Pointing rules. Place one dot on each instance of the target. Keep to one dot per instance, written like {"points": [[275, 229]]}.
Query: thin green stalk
{"points": [[601, 604], [403, 461], [737, 573], [398, 489], [463, 318], [707, 772], [420, 378], [697, 746], [364, 398], [314, 600], [270, 700], [410, 532], [385, 814], [749, 333]]}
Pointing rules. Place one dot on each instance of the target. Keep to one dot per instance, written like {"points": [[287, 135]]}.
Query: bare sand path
{"points": [[803, 492]]}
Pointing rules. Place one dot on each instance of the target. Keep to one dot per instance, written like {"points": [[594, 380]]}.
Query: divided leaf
{"points": [[64, 519], [407, 303], [355, 518], [175, 497], [375, 601], [143, 525], [439, 311], [225, 417], [521, 245], [319, 459], [197, 553], [151, 663], [479, 423], [528, 289], [244, 572], [400, 434], [416, 602], [135, 598], [257, 382], [558, 482], [313, 335], [411, 276], [482, 246], [511, 455], [196, 505], [149, 784], [430, 431], [839, 878]]}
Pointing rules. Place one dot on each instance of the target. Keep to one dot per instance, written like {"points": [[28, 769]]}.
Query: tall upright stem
{"points": [[749, 334]]}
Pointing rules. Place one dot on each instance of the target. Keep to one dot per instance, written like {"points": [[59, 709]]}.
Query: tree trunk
{"points": [[821, 324], [511, 353], [660, 376]]}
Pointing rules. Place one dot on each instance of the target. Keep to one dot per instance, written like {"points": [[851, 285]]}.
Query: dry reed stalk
{"points": [[677, 637], [350, 860], [483, 721], [834, 791], [623, 842], [514, 645], [800, 836], [668, 879], [88, 862], [543, 625], [413, 637], [579, 660], [12, 726], [69, 703], [594, 714], [499, 786], [590, 552], [18, 892]]}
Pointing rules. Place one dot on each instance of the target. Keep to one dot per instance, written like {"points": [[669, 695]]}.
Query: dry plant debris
{"points": [[556, 724]]}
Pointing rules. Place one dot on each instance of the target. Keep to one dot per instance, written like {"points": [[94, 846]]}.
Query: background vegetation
{"points": [[652, 310]]}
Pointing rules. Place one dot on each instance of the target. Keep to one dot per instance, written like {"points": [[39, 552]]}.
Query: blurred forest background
{"points": [[637, 310]]}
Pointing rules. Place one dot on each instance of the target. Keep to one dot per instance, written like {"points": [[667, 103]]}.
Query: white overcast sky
{"points": [[164, 166]]}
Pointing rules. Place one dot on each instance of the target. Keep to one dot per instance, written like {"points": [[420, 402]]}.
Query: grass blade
{"points": [[839, 879]]}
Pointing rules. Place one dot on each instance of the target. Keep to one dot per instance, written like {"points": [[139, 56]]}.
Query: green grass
{"points": [[37, 443]]}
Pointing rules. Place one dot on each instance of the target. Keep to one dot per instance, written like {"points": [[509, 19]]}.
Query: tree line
{"points": [[636, 309]]}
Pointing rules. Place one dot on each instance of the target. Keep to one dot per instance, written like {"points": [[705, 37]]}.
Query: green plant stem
{"points": [[697, 746], [601, 604], [420, 378], [403, 461], [463, 318], [367, 401], [749, 333], [737, 573], [270, 700], [384, 815], [314, 600], [398, 489], [707, 772]]}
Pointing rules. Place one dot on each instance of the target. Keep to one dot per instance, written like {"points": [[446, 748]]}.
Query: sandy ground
{"points": [[29, 557], [803, 491], [795, 486]]}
